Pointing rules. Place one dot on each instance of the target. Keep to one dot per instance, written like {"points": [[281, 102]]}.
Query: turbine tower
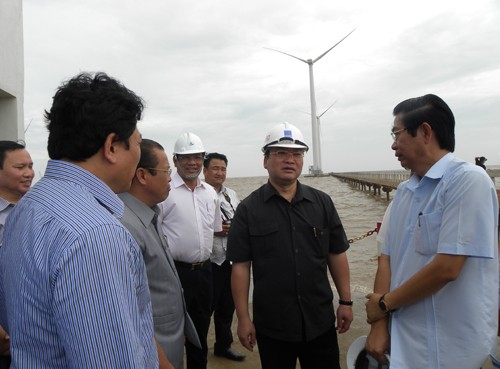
{"points": [[319, 130], [316, 169], [320, 165]]}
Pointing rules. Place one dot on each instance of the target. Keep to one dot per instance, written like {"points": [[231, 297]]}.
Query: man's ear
{"points": [[110, 148], [140, 175], [427, 131]]}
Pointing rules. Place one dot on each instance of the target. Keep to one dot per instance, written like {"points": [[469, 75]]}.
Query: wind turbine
{"points": [[319, 129], [320, 165], [316, 169]]}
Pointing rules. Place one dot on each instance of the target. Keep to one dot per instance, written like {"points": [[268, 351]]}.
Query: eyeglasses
{"points": [[186, 158], [395, 134], [282, 155], [168, 171]]}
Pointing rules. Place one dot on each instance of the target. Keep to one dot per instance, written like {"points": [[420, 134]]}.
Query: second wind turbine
{"points": [[316, 169]]}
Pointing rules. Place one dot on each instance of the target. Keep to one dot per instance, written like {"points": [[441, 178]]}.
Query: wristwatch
{"points": [[383, 306], [345, 302]]}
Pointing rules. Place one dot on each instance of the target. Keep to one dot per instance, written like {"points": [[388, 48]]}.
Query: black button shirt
{"points": [[288, 245]]}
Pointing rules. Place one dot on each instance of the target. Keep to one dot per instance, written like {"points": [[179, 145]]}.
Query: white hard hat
{"points": [[284, 135], [358, 358], [188, 143]]}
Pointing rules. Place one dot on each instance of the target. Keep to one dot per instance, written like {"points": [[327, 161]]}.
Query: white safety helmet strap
{"points": [[286, 142]]}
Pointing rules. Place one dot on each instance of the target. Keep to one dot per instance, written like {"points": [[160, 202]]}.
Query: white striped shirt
{"points": [[72, 279]]}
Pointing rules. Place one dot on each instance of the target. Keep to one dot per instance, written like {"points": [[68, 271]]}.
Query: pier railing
{"points": [[378, 181], [387, 180]]}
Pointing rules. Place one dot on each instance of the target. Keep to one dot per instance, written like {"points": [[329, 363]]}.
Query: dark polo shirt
{"points": [[288, 245]]}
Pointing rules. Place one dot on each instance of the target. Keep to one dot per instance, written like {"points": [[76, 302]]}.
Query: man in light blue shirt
{"points": [[437, 278], [72, 279]]}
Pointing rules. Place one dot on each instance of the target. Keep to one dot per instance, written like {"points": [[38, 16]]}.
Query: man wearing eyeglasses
{"points": [[150, 186], [189, 217], [289, 234], [214, 171], [437, 277]]}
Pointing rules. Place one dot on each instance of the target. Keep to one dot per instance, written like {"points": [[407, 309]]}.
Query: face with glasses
{"points": [[189, 166], [158, 178], [284, 165], [406, 147]]}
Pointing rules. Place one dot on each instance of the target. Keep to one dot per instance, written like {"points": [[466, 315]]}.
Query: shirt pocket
{"points": [[322, 237], [427, 233], [265, 240]]}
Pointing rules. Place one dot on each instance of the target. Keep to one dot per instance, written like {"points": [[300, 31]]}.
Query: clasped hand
{"points": [[373, 310]]}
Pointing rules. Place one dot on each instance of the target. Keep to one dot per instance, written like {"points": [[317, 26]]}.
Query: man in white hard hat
{"points": [[189, 217], [289, 233]]}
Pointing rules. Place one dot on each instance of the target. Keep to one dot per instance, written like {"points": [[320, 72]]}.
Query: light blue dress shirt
{"points": [[73, 280], [453, 210]]}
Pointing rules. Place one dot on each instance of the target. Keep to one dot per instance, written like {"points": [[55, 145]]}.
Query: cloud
{"points": [[202, 67]]}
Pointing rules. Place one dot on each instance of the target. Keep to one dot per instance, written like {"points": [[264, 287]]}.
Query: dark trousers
{"points": [[320, 353], [223, 306], [197, 286], [4, 362]]}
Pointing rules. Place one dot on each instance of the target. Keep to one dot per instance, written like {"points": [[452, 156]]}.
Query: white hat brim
{"points": [[354, 350]]}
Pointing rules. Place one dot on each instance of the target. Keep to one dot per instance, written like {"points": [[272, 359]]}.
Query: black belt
{"points": [[192, 266]]}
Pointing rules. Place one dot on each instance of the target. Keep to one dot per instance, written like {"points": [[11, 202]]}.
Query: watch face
{"points": [[382, 305]]}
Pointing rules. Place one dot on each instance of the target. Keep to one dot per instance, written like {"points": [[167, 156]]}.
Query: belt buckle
{"points": [[195, 266]]}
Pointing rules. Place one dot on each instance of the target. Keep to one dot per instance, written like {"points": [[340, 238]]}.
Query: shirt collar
{"points": [[177, 182], [435, 172], [143, 212], [4, 204], [66, 171], [438, 169], [301, 193], [222, 189]]}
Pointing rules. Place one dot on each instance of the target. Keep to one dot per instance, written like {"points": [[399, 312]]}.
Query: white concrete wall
{"points": [[11, 70]]}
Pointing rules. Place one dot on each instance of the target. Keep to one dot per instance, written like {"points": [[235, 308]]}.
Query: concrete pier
{"points": [[378, 181], [386, 181]]}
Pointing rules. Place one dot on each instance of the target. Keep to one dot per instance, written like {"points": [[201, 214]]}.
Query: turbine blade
{"points": [[326, 52], [28, 126], [282, 52], [327, 109]]}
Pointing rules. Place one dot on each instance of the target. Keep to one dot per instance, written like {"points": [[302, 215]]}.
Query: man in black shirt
{"points": [[289, 234]]}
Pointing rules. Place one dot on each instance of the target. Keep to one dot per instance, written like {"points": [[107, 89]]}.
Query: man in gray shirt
{"points": [[150, 186]]}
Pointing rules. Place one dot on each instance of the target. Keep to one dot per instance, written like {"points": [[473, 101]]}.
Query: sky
{"points": [[202, 66]]}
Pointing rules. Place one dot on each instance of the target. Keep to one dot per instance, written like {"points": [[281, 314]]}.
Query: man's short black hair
{"points": [[433, 110], [7, 146], [213, 155], [148, 158], [85, 110]]}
